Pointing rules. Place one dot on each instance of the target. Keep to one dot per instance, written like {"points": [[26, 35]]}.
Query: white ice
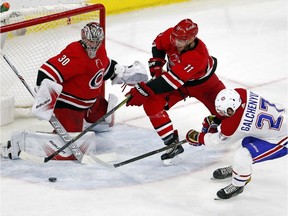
{"points": [[249, 38]]}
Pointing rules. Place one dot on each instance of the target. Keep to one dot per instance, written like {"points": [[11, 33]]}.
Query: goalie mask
{"points": [[92, 36], [225, 100], [183, 34]]}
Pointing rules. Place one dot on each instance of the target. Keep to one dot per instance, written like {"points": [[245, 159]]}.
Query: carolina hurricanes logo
{"points": [[97, 80]]}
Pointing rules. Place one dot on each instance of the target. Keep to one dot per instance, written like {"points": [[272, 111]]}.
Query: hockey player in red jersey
{"points": [[260, 126], [70, 87], [190, 73], [81, 68]]}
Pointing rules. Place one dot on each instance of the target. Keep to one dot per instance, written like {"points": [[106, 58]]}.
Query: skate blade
{"points": [[217, 198], [215, 179]]}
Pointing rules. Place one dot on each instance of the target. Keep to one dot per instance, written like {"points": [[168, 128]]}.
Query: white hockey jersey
{"points": [[256, 117]]}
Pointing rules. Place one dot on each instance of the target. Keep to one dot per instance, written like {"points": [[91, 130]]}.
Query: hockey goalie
{"points": [[69, 88]]}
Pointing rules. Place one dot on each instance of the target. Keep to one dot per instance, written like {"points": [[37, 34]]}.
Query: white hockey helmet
{"points": [[227, 98], [92, 36]]}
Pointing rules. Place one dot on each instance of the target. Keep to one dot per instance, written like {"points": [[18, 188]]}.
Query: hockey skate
{"points": [[5, 152], [169, 157], [229, 191], [223, 173]]}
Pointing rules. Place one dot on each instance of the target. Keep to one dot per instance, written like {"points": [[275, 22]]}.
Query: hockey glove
{"points": [[46, 98], [139, 94], [210, 124], [192, 137], [130, 75], [155, 66]]}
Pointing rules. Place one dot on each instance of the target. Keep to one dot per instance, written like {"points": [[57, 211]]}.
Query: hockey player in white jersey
{"points": [[260, 125]]}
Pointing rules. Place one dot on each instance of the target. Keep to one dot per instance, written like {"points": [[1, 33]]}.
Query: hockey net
{"points": [[29, 37]]}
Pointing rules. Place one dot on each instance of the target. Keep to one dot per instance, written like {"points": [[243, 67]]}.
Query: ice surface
{"points": [[249, 39]]}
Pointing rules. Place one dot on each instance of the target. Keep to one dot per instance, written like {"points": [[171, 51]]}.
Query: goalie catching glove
{"points": [[155, 66], [130, 75], [139, 94], [193, 138]]}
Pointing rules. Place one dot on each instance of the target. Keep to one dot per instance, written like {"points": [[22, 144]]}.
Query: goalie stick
{"points": [[69, 142], [53, 120], [46, 159], [101, 159]]}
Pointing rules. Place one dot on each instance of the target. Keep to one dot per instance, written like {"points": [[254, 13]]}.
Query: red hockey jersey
{"points": [[80, 76], [188, 66]]}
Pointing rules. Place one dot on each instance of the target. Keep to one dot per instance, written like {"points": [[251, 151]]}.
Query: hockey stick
{"points": [[53, 120], [46, 159], [109, 165], [102, 159], [149, 154], [59, 128]]}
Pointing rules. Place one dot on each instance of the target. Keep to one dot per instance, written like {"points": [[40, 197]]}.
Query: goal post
{"points": [[29, 37]]}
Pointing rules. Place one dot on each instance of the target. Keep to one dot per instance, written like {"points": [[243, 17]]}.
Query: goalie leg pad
{"points": [[112, 102], [43, 144]]}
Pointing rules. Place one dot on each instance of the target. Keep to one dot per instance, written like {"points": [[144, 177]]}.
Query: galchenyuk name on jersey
{"points": [[250, 111]]}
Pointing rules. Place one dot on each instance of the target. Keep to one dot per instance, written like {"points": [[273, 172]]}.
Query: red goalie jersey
{"points": [[80, 76], [80, 69]]}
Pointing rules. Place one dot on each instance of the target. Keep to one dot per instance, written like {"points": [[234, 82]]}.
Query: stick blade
{"points": [[101, 159]]}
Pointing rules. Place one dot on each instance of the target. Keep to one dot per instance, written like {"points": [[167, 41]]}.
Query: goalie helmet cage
{"points": [[29, 37]]}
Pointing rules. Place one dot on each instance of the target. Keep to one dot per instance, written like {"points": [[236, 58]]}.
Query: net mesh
{"points": [[27, 48]]}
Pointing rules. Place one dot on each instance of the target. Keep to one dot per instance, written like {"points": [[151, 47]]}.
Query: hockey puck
{"points": [[52, 179]]}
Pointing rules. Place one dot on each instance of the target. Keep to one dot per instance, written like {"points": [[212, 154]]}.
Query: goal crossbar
{"points": [[53, 17]]}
